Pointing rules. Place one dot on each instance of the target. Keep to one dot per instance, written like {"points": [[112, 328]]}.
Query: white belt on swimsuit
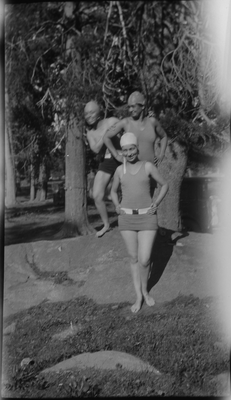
{"points": [[136, 211]]}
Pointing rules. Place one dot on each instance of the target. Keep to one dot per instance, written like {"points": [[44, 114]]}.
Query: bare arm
{"points": [[114, 189], [94, 143], [110, 133], [152, 171], [163, 138], [96, 140]]}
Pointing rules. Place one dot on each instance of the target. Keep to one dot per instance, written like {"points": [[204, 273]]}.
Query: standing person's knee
{"points": [[144, 261], [133, 259], [97, 195], [98, 192], [99, 187]]}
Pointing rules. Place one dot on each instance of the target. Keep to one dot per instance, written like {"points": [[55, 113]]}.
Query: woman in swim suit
{"points": [[137, 213]]}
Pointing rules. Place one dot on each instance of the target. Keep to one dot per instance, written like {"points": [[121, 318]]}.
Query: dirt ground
{"points": [[179, 337]]}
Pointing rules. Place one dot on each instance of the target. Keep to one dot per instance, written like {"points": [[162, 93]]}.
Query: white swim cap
{"points": [[128, 138]]}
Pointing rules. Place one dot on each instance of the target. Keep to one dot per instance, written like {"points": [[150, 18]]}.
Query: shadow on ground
{"points": [[31, 233], [161, 254], [36, 208], [31, 222]]}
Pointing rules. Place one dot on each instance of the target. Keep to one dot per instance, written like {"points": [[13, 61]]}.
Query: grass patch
{"points": [[177, 339]]}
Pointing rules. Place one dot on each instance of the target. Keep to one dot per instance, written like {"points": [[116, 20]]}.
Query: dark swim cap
{"points": [[136, 97]]}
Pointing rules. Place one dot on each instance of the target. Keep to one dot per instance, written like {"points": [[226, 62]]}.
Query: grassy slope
{"points": [[177, 338]]}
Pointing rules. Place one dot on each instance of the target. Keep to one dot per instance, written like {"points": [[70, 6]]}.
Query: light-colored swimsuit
{"points": [[136, 195], [146, 139]]}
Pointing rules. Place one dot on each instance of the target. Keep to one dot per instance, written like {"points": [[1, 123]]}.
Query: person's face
{"points": [[135, 109], [91, 113], [130, 152]]}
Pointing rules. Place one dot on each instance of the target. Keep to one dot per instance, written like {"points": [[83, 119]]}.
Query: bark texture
{"points": [[41, 194], [76, 220], [32, 183], [10, 194], [172, 169]]}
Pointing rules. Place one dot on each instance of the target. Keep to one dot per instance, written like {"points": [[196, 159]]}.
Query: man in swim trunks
{"points": [[146, 129], [96, 128]]}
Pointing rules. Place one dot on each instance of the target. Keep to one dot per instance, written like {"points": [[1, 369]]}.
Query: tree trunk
{"points": [[172, 169], [10, 198], [32, 183], [76, 220], [41, 194]]}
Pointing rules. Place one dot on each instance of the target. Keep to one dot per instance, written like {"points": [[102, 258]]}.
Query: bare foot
{"points": [[136, 306], [103, 231], [149, 300]]}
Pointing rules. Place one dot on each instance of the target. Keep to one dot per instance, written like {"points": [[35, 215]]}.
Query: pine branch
{"points": [[58, 144], [29, 145], [107, 23]]}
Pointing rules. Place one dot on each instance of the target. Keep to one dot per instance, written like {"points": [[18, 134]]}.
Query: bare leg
{"points": [[145, 243], [135, 270], [130, 238], [100, 183], [109, 190]]}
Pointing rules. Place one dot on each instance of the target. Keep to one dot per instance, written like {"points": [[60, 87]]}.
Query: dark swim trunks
{"points": [[143, 222], [109, 165]]}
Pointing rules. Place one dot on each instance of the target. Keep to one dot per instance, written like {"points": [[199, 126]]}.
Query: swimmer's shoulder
{"points": [[119, 171], [111, 121], [153, 120], [149, 167], [122, 123]]}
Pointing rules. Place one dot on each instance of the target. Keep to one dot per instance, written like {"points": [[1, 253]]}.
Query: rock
{"points": [[28, 294], [104, 360], [102, 273], [222, 384], [9, 329], [160, 393], [220, 346], [60, 292], [26, 361], [77, 275], [72, 330], [100, 267]]}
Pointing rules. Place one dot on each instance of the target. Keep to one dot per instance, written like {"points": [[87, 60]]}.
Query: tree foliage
{"points": [[61, 55], [163, 49], [29, 126], [58, 55]]}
